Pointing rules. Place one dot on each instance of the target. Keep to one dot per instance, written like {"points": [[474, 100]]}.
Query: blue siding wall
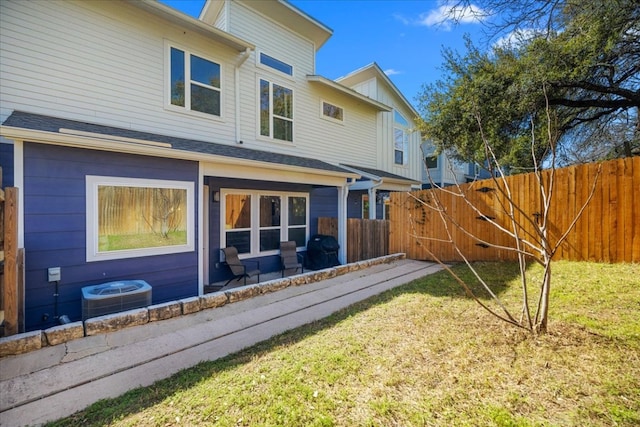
{"points": [[324, 203], [55, 230], [354, 204], [6, 161], [219, 272]]}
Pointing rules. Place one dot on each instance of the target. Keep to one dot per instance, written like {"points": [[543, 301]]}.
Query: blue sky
{"points": [[405, 37]]}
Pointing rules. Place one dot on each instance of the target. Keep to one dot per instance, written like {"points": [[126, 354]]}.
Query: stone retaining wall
{"points": [[55, 336]]}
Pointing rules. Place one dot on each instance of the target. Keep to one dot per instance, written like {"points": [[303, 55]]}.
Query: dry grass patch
{"points": [[422, 355]]}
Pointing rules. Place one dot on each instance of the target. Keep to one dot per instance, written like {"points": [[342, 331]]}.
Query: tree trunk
{"points": [[543, 310]]}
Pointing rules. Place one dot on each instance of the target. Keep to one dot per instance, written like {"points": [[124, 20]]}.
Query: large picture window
{"points": [[194, 82], [256, 222], [276, 111], [129, 217]]}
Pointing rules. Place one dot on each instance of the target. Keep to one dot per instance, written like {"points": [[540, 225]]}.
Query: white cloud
{"points": [[402, 19], [392, 72], [516, 38], [445, 16]]}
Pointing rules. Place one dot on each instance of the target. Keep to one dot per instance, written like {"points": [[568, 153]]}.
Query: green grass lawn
{"points": [[117, 242], [422, 355]]}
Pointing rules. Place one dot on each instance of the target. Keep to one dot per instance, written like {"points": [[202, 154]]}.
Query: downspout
{"points": [[243, 58], [372, 198]]}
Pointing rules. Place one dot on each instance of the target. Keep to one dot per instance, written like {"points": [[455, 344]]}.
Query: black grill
{"points": [[322, 252]]}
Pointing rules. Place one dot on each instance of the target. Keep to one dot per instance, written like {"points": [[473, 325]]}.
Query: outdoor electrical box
{"points": [[54, 274]]}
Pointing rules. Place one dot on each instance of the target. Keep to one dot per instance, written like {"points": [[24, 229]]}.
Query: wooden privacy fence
{"points": [[366, 238], [607, 231]]}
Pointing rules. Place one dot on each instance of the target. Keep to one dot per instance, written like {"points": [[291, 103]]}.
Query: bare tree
{"points": [[538, 246]]}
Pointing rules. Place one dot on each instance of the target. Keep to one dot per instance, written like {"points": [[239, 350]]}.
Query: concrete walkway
{"points": [[160, 349]]}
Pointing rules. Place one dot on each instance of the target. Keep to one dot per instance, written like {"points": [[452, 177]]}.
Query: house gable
{"points": [[215, 12]]}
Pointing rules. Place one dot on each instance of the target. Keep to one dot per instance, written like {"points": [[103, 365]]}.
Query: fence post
{"points": [[11, 281]]}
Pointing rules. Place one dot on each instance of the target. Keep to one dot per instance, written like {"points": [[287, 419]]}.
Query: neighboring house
{"points": [[442, 171], [143, 140], [397, 131]]}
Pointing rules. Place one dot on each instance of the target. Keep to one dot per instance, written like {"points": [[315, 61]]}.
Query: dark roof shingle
{"points": [[44, 123]]}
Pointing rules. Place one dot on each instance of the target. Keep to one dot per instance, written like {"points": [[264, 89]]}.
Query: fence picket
{"points": [[608, 231]]}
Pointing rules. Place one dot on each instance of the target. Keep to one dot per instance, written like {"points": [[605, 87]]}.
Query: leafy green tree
{"points": [[580, 58]]}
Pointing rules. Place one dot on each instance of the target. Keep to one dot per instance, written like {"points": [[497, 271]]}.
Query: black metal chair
{"points": [[290, 259], [238, 269]]}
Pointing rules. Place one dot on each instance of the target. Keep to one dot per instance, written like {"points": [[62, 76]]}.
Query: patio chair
{"points": [[290, 259], [238, 269]]}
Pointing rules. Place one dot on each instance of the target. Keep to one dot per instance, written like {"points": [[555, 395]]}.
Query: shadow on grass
{"points": [[440, 285]]}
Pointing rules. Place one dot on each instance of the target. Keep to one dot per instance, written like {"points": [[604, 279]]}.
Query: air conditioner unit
{"points": [[113, 297]]}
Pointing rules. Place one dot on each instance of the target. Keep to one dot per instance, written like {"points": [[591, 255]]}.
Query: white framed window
{"points": [[255, 222], [130, 217], [275, 64], [386, 207], [276, 111], [365, 206], [331, 112], [431, 162], [193, 83], [400, 139]]}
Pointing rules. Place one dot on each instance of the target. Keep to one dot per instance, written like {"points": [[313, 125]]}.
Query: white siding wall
{"points": [[413, 169], [221, 22], [101, 62], [379, 90], [351, 142], [104, 62], [368, 88]]}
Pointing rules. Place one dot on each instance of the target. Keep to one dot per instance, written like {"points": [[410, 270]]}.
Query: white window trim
{"points": [[277, 72], [331, 119], [167, 83], [92, 183], [407, 132], [255, 218], [435, 156], [405, 146], [364, 198], [270, 138], [385, 201]]}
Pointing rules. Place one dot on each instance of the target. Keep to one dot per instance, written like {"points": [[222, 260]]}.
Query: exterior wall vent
{"points": [[113, 297]]}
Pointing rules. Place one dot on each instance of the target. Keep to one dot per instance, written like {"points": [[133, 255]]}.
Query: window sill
{"points": [[194, 114]]}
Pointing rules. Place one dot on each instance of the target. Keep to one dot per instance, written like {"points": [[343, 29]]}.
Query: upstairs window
{"points": [[194, 82], [276, 111], [276, 64], [332, 112], [400, 139], [431, 162]]}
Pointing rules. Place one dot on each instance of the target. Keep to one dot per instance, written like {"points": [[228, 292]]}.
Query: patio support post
{"points": [[343, 193], [372, 203]]}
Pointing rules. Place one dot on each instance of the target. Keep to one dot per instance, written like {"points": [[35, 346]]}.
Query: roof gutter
{"points": [[349, 92], [159, 9]]}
